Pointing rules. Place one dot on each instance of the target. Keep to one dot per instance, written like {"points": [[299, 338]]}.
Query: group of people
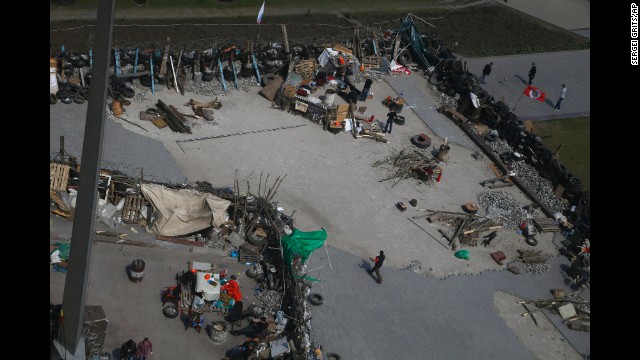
{"points": [[142, 351], [486, 71]]}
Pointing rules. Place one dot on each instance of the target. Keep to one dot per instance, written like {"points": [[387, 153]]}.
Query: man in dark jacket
{"points": [[379, 260], [128, 350], [532, 72], [486, 72], [390, 116], [365, 89]]}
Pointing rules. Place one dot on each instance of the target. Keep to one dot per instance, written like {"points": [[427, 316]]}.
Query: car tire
{"points": [[315, 299], [79, 99], [252, 274], [171, 311], [67, 99], [399, 119], [491, 137], [531, 241], [333, 356], [267, 78], [52, 99], [418, 141], [405, 58]]}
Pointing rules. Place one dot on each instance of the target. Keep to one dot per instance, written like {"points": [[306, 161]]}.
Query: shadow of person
{"points": [[365, 265], [549, 102], [523, 80]]}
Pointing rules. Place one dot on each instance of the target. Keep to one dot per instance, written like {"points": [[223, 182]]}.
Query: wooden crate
{"points": [[250, 253], [59, 176], [132, 206]]}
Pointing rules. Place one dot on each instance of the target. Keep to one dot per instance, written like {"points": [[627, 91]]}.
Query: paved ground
{"points": [[415, 94], [331, 184], [509, 78], [574, 15]]}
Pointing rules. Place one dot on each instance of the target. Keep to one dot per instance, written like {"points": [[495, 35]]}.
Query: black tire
{"points": [[315, 299], [67, 99], [267, 78], [61, 94], [128, 92], [333, 356], [399, 120], [120, 86], [171, 311], [74, 90], [255, 240], [208, 76], [405, 58], [418, 141], [152, 111], [436, 79], [85, 92], [79, 99], [491, 137], [531, 241], [52, 99], [161, 79], [252, 274], [482, 96], [145, 80]]}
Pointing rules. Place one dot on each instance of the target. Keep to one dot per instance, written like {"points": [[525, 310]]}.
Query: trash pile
{"points": [[574, 311], [503, 207], [410, 164]]}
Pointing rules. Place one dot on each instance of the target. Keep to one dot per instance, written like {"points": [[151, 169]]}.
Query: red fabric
{"points": [[439, 177], [534, 93], [233, 289]]}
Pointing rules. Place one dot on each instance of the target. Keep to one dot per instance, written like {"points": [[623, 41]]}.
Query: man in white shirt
{"points": [[563, 93]]}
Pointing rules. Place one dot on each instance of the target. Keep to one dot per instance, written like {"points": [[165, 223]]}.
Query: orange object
{"points": [[361, 67], [341, 60], [207, 276], [439, 177], [194, 271]]}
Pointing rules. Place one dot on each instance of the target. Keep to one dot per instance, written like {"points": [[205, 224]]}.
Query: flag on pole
{"points": [[534, 93], [260, 13]]}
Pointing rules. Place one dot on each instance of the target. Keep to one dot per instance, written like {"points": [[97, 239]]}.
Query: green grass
{"points": [[479, 31], [574, 135]]}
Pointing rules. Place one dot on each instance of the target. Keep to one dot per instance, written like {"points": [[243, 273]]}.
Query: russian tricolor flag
{"points": [[260, 13]]}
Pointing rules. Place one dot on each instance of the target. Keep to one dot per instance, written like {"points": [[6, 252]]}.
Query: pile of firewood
{"points": [[407, 164]]}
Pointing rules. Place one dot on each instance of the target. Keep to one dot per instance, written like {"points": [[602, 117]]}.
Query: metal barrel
{"points": [[136, 272]]}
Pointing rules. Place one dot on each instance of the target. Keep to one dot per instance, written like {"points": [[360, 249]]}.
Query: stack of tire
{"points": [[122, 88], [70, 93]]}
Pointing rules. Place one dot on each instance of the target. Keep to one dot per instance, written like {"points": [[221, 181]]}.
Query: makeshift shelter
{"points": [[302, 243], [184, 211]]}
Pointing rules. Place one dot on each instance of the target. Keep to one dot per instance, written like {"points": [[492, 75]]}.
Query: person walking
{"points": [[379, 260], [486, 72], [365, 90], [563, 93], [390, 116], [532, 72], [128, 350], [145, 349]]}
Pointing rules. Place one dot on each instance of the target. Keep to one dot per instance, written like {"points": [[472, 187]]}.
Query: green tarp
{"points": [[302, 243], [421, 54]]}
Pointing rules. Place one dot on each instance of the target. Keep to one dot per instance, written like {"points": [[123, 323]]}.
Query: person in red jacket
{"points": [[233, 288], [379, 260]]}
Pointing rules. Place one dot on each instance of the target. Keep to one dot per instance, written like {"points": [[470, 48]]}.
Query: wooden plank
{"points": [[271, 89], [59, 176], [179, 240], [159, 122], [131, 210], [342, 48]]}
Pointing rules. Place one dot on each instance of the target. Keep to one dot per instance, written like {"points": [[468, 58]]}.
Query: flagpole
{"points": [[514, 106]]}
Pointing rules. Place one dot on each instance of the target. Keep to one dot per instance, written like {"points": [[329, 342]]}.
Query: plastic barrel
{"points": [[329, 96], [136, 272]]}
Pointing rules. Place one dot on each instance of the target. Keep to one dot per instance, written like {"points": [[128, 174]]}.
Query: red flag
{"points": [[534, 93]]}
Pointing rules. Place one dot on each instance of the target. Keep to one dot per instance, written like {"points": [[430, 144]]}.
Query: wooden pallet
{"points": [[132, 206], [272, 88], [370, 62], [306, 68], [250, 253], [59, 176], [546, 225]]}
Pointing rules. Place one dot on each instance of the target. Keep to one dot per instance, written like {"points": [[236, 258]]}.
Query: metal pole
{"points": [[514, 106], [77, 279]]}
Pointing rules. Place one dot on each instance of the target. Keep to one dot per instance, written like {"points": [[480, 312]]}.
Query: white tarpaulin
{"points": [[184, 211]]}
